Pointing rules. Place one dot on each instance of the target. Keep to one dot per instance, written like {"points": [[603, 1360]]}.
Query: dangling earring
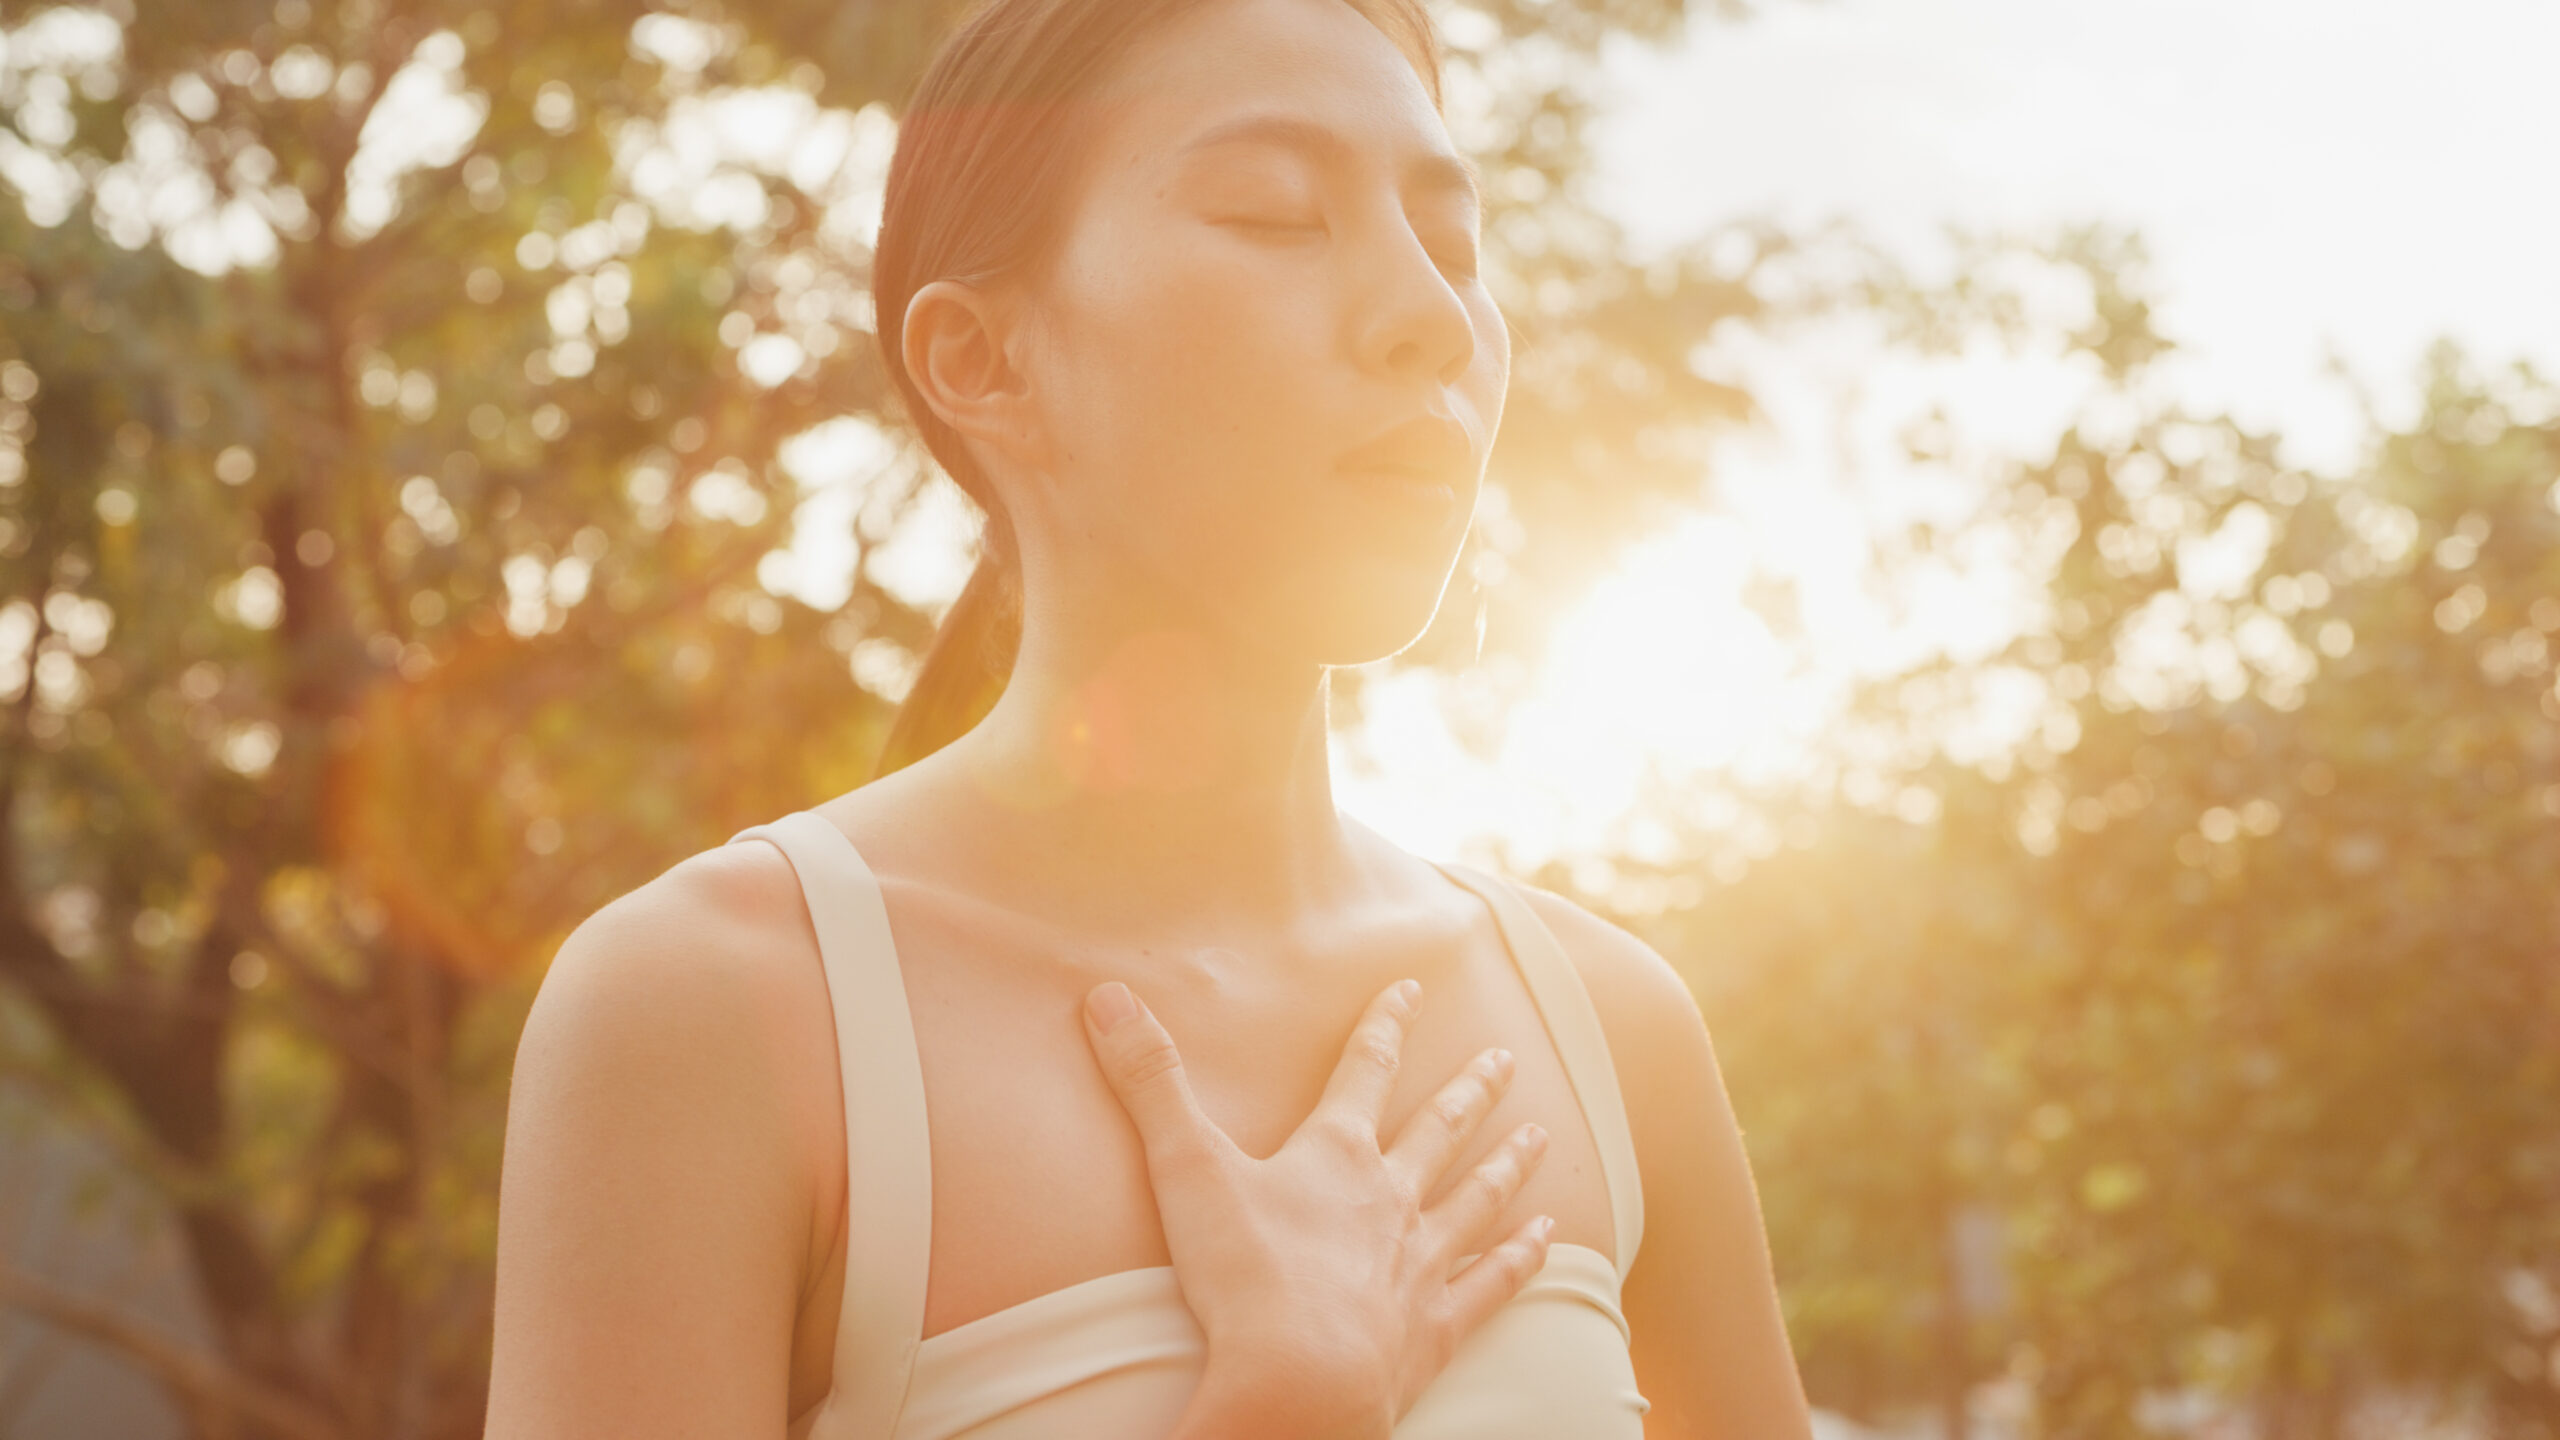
{"points": [[1478, 582]]}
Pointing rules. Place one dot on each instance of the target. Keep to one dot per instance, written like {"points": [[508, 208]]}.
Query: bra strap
{"points": [[1574, 1026], [888, 1160]]}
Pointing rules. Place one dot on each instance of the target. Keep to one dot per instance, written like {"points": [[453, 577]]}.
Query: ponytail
{"points": [[966, 667]]}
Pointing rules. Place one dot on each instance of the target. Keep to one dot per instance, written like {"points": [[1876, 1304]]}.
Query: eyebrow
{"points": [[1433, 171]]}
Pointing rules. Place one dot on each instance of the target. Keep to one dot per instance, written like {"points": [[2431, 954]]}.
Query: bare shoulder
{"points": [[1708, 1339], [685, 1019], [1667, 1072], [720, 939], [711, 910], [663, 1199], [1645, 1007]]}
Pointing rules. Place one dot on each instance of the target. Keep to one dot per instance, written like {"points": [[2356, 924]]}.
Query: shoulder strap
{"points": [[888, 1160], [1574, 1025]]}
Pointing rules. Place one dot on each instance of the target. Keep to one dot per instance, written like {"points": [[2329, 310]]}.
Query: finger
{"points": [[1145, 1071], [1482, 1194], [1367, 1069], [1496, 1276], [1432, 1138]]}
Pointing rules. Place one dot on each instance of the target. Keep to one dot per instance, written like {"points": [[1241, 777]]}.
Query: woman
{"points": [[1183, 292]]}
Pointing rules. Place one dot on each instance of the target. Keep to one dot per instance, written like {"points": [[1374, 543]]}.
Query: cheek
{"points": [[1192, 392]]}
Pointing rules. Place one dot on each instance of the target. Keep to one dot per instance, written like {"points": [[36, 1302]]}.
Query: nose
{"points": [[1411, 322]]}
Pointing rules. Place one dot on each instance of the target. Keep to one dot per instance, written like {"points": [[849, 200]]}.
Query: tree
{"points": [[2228, 988]]}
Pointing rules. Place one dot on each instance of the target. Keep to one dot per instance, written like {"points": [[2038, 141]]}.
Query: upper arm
{"points": [[655, 1206], [1701, 1300]]}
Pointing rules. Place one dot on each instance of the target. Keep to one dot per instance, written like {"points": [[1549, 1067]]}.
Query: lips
{"points": [[1426, 450]]}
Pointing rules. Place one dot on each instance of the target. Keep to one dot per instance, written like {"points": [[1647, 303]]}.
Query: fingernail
{"points": [[1501, 1064], [1546, 1226], [1110, 1006], [1535, 1138], [1408, 991]]}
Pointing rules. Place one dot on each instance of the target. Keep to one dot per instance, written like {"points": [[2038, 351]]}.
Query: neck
{"points": [[1147, 773]]}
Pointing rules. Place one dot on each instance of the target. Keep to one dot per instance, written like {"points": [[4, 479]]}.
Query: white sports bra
{"points": [[1117, 1357]]}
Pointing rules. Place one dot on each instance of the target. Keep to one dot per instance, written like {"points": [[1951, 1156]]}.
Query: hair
{"points": [[977, 189]]}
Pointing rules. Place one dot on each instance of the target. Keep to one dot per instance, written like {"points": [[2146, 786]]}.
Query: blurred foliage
{"points": [[2224, 1006]]}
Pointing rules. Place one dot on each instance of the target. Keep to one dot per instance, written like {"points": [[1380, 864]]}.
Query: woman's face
{"points": [[1267, 264]]}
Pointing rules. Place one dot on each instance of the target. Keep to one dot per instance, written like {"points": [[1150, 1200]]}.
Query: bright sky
{"points": [[2312, 175], [2308, 171]]}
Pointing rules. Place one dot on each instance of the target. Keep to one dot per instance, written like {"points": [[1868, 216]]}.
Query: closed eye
{"points": [[1461, 262], [1246, 222]]}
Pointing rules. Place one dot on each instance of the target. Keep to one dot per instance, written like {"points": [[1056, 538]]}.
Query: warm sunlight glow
{"points": [[1662, 670], [1663, 664]]}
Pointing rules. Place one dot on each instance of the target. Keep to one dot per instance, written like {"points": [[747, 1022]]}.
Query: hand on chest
{"points": [[1038, 1178]]}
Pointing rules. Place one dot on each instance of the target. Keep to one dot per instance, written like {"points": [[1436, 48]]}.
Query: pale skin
{"points": [[1162, 405]]}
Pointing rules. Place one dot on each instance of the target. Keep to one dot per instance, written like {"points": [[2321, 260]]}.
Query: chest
{"points": [[1039, 1180]]}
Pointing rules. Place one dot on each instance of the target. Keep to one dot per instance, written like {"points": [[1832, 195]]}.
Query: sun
{"points": [[1660, 671], [1662, 666]]}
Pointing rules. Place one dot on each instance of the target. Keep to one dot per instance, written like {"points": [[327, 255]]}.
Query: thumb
{"points": [[1145, 1071]]}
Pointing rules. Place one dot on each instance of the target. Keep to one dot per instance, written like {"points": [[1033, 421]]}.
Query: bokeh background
{"points": [[2021, 557]]}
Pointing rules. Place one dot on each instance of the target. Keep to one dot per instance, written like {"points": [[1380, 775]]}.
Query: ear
{"points": [[956, 344]]}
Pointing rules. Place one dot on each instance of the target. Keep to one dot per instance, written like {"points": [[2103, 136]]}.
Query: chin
{"points": [[1360, 624]]}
